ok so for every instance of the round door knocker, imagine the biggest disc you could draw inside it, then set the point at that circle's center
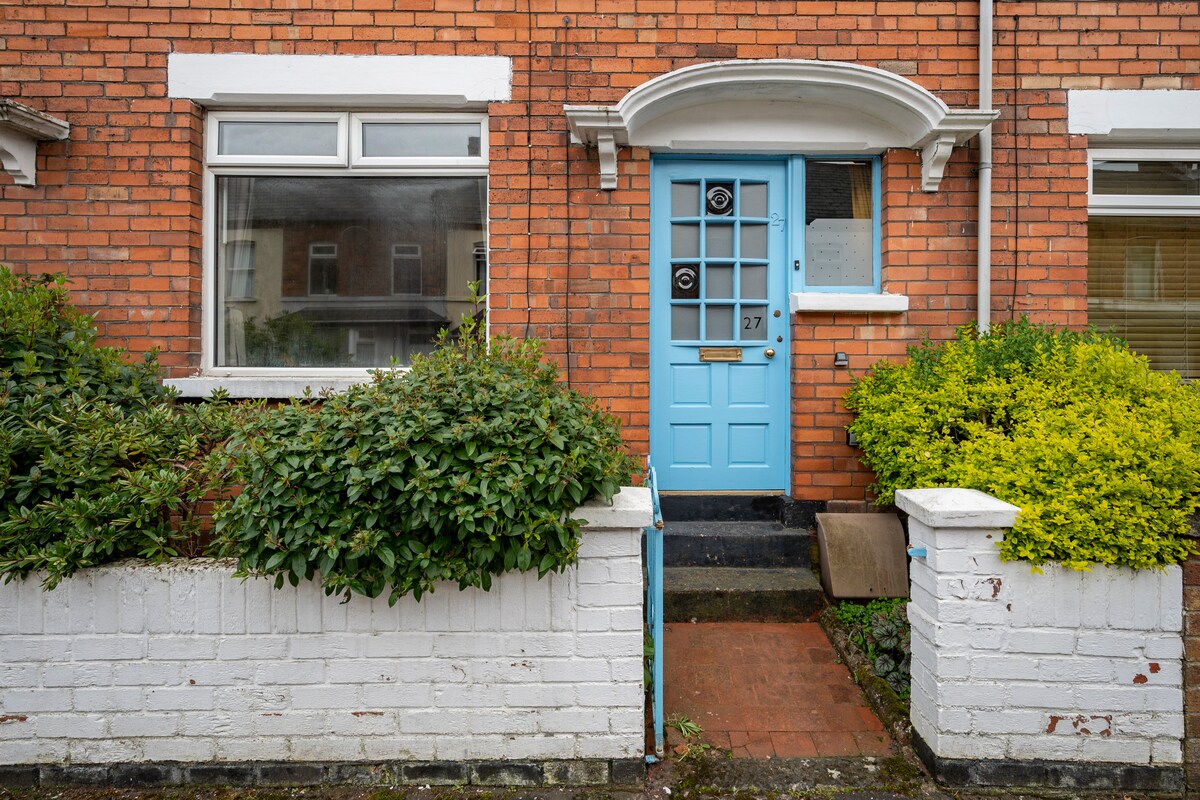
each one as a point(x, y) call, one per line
point(719, 200)
point(686, 281)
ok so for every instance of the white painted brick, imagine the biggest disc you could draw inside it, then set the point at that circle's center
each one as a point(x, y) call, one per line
point(594, 619)
point(364, 671)
point(437, 607)
point(258, 594)
point(1028, 694)
point(625, 670)
point(1162, 673)
point(539, 747)
point(599, 645)
point(325, 749)
point(283, 609)
point(613, 746)
point(233, 606)
point(1040, 641)
point(156, 599)
point(468, 695)
point(483, 645)
point(109, 699)
point(141, 725)
point(16, 701)
point(506, 721)
point(1117, 749)
point(1119, 600)
point(290, 673)
point(537, 603)
point(1170, 612)
point(572, 720)
point(401, 748)
point(253, 647)
point(291, 723)
point(363, 722)
point(1075, 670)
point(570, 670)
point(145, 673)
point(33, 751)
point(73, 674)
point(539, 644)
point(436, 721)
point(1006, 721)
point(177, 748)
point(308, 611)
point(626, 721)
point(182, 648)
point(81, 603)
point(208, 602)
point(20, 676)
point(252, 698)
point(234, 749)
point(29, 604)
point(400, 695)
point(1163, 646)
point(218, 673)
point(399, 645)
point(188, 698)
point(34, 649)
point(996, 667)
point(56, 610)
point(86, 751)
point(72, 726)
point(326, 696)
point(215, 725)
point(539, 695)
point(1166, 751)
point(470, 748)
point(182, 606)
point(1123, 644)
point(609, 695)
point(1051, 748)
point(108, 648)
point(1150, 725)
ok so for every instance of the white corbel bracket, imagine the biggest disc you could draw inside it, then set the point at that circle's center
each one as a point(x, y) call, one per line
point(934, 156)
point(21, 128)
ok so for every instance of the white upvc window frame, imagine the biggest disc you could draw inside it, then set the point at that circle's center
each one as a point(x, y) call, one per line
point(213, 157)
point(1149, 205)
point(358, 160)
point(273, 382)
point(314, 255)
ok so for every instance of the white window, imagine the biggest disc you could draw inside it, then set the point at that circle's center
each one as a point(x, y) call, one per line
point(1144, 252)
point(338, 241)
point(406, 269)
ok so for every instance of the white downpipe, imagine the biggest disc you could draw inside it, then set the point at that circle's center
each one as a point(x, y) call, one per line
point(984, 245)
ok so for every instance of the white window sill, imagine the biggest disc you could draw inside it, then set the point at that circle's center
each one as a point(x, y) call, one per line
point(829, 301)
point(259, 387)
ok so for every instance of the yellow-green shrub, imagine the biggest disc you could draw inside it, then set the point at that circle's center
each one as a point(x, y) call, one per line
point(1101, 453)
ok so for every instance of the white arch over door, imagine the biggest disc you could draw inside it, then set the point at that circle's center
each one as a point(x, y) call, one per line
point(778, 106)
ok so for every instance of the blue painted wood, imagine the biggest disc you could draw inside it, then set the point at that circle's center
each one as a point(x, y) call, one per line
point(717, 426)
point(654, 609)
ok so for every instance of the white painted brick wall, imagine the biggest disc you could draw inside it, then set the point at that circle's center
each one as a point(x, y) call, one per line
point(185, 663)
point(1011, 664)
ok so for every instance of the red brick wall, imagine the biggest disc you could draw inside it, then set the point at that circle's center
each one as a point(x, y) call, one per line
point(118, 206)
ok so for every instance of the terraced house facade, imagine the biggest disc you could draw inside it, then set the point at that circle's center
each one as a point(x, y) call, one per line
point(715, 213)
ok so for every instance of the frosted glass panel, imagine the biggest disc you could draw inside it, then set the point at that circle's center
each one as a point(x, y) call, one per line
point(277, 138)
point(417, 139)
point(754, 282)
point(685, 199)
point(753, 325)
point(685, 241)
point(754, 200)
point(754, 241)
point(719, 282)
point(719, 322)
point(685, 322)
point(718, 240)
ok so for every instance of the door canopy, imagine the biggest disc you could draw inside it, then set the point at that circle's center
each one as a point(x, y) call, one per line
point(778, 106)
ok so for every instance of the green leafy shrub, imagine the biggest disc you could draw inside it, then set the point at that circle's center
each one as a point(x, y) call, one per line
point(880, 630)
point(464, 466)
point(96, 463)
point(1101, 453)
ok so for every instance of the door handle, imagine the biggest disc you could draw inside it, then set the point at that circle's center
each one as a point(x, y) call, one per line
point(769, 352)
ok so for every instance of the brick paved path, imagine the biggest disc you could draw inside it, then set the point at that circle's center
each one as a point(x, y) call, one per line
point(766, 690)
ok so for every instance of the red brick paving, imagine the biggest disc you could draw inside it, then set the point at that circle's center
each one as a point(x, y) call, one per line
point(767, 690)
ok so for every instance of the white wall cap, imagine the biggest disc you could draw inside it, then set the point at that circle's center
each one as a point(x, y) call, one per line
point(956, 508)
point(253, 388)
point(242, 79)
point(631, 507)
point(21, 128)
point(1135, 114)
point(849, 301)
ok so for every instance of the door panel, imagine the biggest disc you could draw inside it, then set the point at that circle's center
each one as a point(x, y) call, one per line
point(719, 349)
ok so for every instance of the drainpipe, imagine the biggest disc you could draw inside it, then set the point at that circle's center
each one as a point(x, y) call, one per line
point(984, 245)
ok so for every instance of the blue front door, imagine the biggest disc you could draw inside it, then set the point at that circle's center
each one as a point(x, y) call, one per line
point(718, 325)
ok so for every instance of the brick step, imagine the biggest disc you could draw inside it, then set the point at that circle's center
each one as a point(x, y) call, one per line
point(734, 544)
point(740, 594)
